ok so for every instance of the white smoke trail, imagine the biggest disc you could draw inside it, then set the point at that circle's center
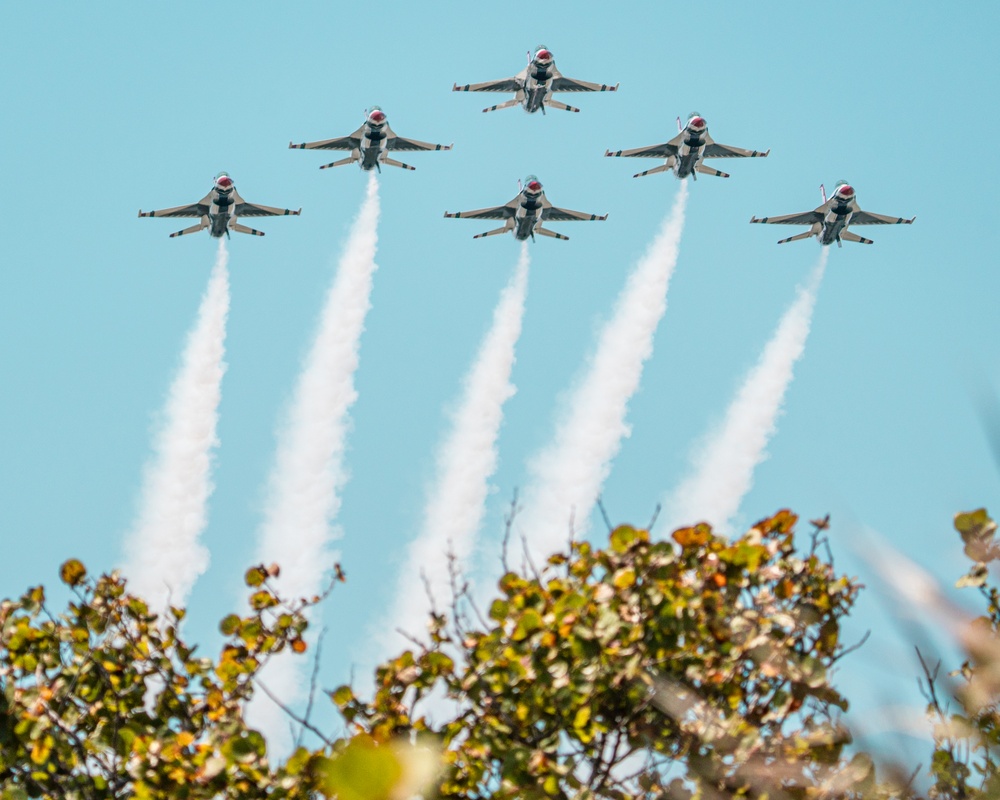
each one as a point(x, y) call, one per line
point(309, 471)
point(723, 465)
point(465, 463)
point(567, 476)
point(164, 556)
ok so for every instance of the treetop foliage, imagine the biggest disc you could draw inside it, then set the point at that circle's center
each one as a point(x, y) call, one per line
point(692, 667)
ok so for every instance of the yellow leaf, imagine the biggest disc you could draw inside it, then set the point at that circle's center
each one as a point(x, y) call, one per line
point(72, 572)
point(624, 578)
point(692, 537)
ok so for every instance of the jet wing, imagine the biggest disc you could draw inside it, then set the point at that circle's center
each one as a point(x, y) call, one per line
point(664, 150)
point(867, 218)
point(561, 83)
point(198, 209)
point(716, 150)
point(341, 143)
point(245, 209)
point(805, 218)
point(555, 214)
point(395, 142)
point(514, 84)
point(498, 212)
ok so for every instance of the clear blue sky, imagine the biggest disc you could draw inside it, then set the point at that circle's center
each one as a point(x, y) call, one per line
point(112, 107)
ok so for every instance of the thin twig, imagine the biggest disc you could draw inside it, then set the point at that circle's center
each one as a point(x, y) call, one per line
point(656, 515)
point(852, 648)
point(604, 513)
point(507, 527)
point(303, 722)
point(312, 683)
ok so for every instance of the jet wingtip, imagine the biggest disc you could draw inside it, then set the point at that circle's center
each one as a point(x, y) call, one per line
point(910, 220)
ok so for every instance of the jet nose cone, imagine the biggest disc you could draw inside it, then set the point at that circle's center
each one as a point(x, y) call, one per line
point(377, 117)
point(534, 186)
point(696, 122)
point(846, 191)
point(543, 55)
point(224, 182)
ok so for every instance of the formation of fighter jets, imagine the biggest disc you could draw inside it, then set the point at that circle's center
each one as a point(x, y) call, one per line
point(526, 214)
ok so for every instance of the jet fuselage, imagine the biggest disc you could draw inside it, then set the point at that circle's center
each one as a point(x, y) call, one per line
point(373, 149)
point(527, 215)
point(692, 147)
point(537, 86)
point(220, 213)
point(837, 219)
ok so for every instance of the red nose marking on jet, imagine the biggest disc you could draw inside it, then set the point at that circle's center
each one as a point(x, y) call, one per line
point(696, 122)
point(376, 116)
point(535, 186)
point(846, 190)
point(225, 182)
point(543, 55)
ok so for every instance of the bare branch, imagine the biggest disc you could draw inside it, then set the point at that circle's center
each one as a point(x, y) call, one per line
point(604, 514)
point(303, 722)
point(312, 683)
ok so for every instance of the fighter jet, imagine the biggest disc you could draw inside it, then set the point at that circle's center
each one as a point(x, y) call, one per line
point(219, 210)
point(829, 222)
point(687, 151)
point(370, 144)
point(533, 86)
point(525, 214)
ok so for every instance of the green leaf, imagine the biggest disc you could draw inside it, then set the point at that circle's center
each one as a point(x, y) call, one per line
point(625, 536)
point(255, 576)
point(230, 625)
point(527, 623)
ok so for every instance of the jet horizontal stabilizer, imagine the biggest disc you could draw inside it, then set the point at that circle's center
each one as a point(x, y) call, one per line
point(494, 232)
point(244, 229)
point(193, 229)
point(795, 238)
point(545, 232)
point(704, 169)
point(847, 236)
point(556, 104)
point(391, 163)
point(341, 163)
point(661, 168)
point(509, 104)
